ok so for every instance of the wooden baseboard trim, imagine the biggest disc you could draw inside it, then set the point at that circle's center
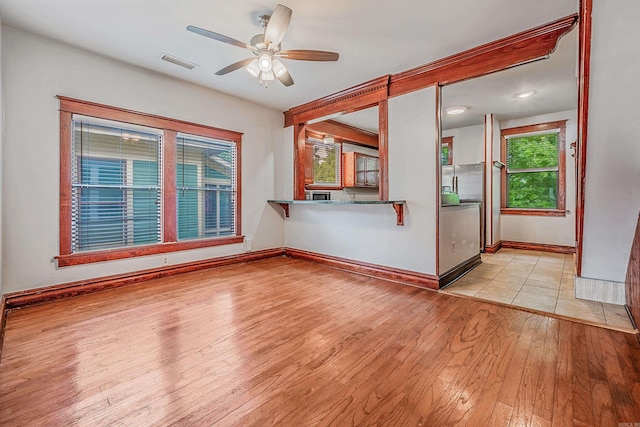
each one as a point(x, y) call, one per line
point(460, 270)
point(543, 247)
point(492, 249)
point(420, 280)
point(3, 321)
point(55, 292)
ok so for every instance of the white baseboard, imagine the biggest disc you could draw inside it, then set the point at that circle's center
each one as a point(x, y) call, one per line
point(600, 290)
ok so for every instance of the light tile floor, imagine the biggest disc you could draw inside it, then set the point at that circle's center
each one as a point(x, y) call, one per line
point(538, 280)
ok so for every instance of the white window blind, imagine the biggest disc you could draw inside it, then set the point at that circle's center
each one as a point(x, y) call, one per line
point(115, 185)
point(206, 187)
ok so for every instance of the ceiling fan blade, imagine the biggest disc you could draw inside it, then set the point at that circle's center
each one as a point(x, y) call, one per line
point(216, 36)
point(286, 79)
point(309, 55)
point(234, 66)
point(277, 26)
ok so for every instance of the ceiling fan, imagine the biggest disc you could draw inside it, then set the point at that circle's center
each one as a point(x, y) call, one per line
point(266, 48)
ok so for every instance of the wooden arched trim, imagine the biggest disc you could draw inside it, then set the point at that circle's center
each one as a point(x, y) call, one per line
point(489, 58)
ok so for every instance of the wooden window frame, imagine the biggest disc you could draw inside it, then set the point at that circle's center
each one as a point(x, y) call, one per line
point(561, 125)
point(448, 141)
point(170, 128)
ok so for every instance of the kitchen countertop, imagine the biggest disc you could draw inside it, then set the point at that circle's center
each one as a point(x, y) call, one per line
point(461, 204)
point(340, 202)
point(398, 205)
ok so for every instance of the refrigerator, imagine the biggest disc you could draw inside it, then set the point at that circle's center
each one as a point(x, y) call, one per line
point(468, 182)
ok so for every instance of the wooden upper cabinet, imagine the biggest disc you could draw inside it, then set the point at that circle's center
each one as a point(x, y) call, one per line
point(360, 170)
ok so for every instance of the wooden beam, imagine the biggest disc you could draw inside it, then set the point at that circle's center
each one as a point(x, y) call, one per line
point(345, 133)
point(355, 98)
point(584, 71)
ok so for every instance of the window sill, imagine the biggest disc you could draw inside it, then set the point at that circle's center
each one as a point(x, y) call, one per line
point(533, 212)
point(136, 251)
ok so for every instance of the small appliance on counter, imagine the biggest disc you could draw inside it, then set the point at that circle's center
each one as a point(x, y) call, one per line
point(320, 196)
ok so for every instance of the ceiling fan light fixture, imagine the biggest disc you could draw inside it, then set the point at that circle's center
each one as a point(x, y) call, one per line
point(253, 68)
point(278, 68)
point(265, 62)
point(268, 76)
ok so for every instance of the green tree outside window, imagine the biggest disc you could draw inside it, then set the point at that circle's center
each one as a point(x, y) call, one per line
point(326, 164)
point(532, 171)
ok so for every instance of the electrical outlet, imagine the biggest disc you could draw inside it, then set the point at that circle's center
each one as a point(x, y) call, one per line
point(453, 246)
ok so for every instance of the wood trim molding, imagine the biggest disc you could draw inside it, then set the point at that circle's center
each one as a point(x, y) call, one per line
point(584, 72)
point(238, 200)
point(169, 215)
point(137, 251)
point(543, 247)
point(420, 280)
point(345, 133)
point(352, 99)
point(492, 249)
point(92, 109)
point(438, 173)
point(3, 321)
point(65, 183)
point(498, 55)
point(383, 150)
point(632, 280)
point(299, 150)
point(538, 127)
point(533, 212)
point(51, 293)
point(459, 270)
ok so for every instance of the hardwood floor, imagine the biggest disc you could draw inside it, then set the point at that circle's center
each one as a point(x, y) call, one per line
point(292, 343)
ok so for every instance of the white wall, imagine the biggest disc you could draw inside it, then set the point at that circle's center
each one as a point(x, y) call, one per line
point(545, 229)
point(369, 232)
point(1, 135)
point(612, 199)
point(35, 71)
point(468, 144)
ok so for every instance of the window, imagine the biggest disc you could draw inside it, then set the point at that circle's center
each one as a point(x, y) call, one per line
point(323, 162)
point(533, 181)
point(205, 177)
point(115, 185)
point(326, 164)
point(447, 150)
point(133, 184)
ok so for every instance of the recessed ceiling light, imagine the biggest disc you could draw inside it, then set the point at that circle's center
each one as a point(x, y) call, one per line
point(456, 110)
point(525, 94)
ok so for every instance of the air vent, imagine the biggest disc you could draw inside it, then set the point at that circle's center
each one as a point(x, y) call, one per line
point(177, 61)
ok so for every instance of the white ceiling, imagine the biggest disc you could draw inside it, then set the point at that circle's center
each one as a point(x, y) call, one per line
point(373, 37)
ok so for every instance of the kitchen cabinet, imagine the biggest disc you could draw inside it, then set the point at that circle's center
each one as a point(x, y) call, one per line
point(360, 170)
